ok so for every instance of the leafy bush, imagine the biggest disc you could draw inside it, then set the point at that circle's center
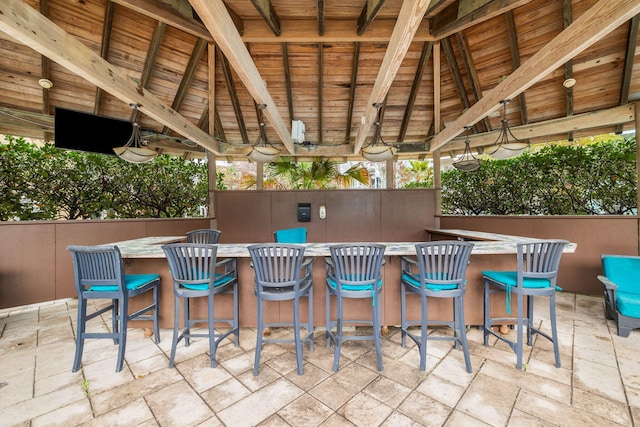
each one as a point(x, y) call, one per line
point(45, 183)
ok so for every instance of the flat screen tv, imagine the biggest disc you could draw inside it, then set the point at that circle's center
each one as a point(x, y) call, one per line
point(89, 132)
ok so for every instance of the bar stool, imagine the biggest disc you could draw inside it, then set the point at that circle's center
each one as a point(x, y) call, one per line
point(281, 274)
point(354, 271)
point(536, 277)
point(204, 235)
point(441, 268)
point(193, 267)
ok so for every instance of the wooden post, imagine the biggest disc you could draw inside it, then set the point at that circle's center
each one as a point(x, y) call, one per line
point(436, 125)
point(211, 157)
point(637, 124)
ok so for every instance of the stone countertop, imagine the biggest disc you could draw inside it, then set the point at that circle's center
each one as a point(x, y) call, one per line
point(150, 247)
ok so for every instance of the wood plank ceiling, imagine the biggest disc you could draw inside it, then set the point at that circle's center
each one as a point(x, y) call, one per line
point(434, 66)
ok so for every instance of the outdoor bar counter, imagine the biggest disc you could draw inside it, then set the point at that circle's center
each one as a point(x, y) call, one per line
point(490, 251)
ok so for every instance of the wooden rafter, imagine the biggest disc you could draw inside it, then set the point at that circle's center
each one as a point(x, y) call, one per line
point(449, 21)
point(268, 13)
point(455, 72)
point(165, 13)
point(235, 102)
point(592, 25)
point(287, 79)
point(46, 69)
point(321, 17)
point(427, 47)
point(515, 60)
point(150, 61)
point(567, 19)
point(320, 92)
point(368, 14)
point(217, 20)
point(352, 89)
point(104, 48)
point(470, 68)
point(28, 26)
point(188, 75)
point(628, 62)
point(409, 19)
point(335, 31)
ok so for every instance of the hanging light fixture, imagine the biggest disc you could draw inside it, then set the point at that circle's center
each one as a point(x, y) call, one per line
point(378, 150)
point(467, 161)
point(504, 148)
point(135, 150)
point(262, 151)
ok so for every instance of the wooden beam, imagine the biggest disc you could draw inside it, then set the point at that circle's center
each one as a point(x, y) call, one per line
point(437, 6)
point(104, 49)
point(352, 89)
point(594, 24)
point(469, 65)
point(287, 79)
point(268, 13)
point(623, 114)
point(188, 75)
point(444, 25)
point(28, 26)
point(409, 19)
point(335, 31)
point(628, 62)
point(427, 47)
point(46, 69)
point(515, 60)
point(150, 61)
point(567, 18)
point(455, 72)
point(320, 92)
point(368, 14)
point(217, 20)
point(235, 102)
point(320, 17)
point(164, 13)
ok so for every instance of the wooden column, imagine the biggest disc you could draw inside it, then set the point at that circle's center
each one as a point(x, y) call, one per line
point(390, 173)
point(437, 184)
point(260, 176)
point(211, 158)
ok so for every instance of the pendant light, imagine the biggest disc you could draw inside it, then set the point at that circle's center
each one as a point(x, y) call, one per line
point(378, 150)
point(504, 148)
point(262, 151)
point(467, 161)
point(135, 150)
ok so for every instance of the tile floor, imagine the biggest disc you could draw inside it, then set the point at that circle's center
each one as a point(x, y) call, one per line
point(598, 384)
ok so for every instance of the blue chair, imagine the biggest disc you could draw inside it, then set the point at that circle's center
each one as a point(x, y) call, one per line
point(99, 274)
point(354, 271)
point(193, 267)
point(438, 272)
point(291, 235)
point(203, 236)
point(281, 274)
point(621, 280)
point(536, 276)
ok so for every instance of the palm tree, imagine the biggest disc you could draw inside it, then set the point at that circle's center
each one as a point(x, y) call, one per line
point(319, 174)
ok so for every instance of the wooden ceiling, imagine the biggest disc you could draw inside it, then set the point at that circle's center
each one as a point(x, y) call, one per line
point(433, 66)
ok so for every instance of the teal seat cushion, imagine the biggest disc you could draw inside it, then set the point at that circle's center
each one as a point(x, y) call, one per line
point(628, 304)
point(431, 286)
point(510, 278)
point(131, 281)
point(332, 283)
point(205, 286)
point(624, 272)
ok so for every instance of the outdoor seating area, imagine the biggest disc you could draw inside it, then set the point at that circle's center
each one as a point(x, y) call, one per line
point(596, 385)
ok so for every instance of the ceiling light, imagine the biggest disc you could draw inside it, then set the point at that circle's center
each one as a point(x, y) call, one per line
point(378, 150)
point(135, 150)
point(568, 83)
point(45, 83)
point(503, 148)
point(262, 151)
point(467, 161)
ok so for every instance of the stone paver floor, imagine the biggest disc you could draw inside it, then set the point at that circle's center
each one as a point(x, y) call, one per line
point(597, 385)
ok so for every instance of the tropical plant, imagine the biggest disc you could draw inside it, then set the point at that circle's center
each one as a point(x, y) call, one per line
point(319, 174)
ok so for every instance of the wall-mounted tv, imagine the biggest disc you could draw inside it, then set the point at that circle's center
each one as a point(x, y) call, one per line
point(88, 132)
